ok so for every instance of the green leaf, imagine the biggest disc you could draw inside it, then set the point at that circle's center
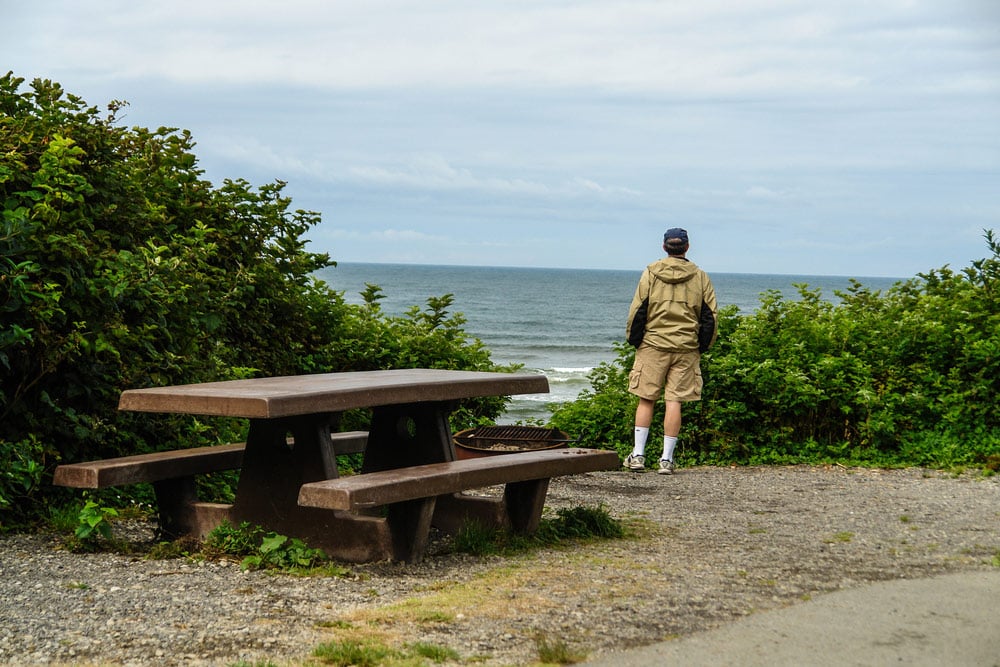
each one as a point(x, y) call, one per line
point(272, 542)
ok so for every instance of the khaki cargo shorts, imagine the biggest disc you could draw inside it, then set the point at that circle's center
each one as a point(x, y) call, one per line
point(677, 374)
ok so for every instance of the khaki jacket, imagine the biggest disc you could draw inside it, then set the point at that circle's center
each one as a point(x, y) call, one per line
point(682, 307)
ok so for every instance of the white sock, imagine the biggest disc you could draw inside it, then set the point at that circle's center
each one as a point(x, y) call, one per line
point(641, 434)
point(669, 442)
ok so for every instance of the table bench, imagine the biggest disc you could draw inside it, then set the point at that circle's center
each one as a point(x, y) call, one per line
point(173, 476)
point(289, 445)
point(412, 494)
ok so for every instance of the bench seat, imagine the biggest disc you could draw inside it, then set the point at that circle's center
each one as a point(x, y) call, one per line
point(413, 494)
point(153, 467)
point(172, 474)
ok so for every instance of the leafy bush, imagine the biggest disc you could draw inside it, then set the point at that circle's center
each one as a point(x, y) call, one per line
point(908, 377)
point(122, 267)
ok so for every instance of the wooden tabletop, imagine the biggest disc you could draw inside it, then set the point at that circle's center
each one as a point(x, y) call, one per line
point(267, 398)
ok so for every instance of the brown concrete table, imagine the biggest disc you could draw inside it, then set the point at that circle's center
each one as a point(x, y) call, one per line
point(288, 444)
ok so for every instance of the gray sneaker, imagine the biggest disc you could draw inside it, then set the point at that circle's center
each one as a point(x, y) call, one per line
point(666, 467)
point(637, 463)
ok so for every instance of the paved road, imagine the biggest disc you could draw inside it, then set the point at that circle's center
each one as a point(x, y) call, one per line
point(952, 620)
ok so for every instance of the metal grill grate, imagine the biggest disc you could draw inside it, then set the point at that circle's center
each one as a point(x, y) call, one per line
point(527, 435)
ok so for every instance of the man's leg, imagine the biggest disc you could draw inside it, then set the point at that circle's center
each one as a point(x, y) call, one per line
point(643, 419)
point(671, 418)
point(644, 413)
point(671, 429)
point(683, 384)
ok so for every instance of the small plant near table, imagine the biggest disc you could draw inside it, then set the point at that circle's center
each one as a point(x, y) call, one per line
point(93, 523)
point(262, 550)
point(230, 540)
point(63, 518)
point(283, 553)
point(569, 523)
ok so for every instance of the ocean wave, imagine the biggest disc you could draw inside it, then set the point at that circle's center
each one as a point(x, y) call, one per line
point(570, 370)
point(539, 398)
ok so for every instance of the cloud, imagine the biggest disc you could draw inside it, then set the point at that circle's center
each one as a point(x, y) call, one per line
point(435, 173)
point(760, 192)
point(409, 245)
point(247, 150)
point(424, 172)
point(591, 187)
point(438, 129)
point(706, 48)
point(387, 235)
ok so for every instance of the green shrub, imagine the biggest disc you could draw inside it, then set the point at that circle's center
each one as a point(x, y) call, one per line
point(122, 267)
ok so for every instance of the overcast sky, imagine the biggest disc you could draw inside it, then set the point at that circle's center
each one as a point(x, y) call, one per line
point(827, 137)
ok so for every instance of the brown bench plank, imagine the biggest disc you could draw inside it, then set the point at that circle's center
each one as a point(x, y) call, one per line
point(176, 463)
point(435, 479)
point(149, 467)
point(411, 494)
point(173, 474)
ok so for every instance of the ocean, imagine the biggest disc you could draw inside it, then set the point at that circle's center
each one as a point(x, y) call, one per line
point(558, 322)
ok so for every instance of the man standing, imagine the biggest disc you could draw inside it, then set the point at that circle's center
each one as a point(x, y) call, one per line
point(671, 321)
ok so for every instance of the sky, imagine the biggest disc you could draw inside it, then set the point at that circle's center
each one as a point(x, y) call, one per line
point(851, 138)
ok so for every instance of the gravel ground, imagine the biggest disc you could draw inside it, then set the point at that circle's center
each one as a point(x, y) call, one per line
point(710, 545)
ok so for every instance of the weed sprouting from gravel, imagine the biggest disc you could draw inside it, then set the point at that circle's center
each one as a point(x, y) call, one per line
point(555, 651)
point(575, 523)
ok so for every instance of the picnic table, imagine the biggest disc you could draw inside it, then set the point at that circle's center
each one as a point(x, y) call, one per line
point(289, 481)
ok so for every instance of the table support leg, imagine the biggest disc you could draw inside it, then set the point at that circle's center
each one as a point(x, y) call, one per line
point(274, 471)
point(408, 435)
point(174, 497)
point(410, 525)
point(180, 511)
point(525, 501)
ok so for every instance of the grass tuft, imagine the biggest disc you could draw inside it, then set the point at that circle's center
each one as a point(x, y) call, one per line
point(556, 651)
point(348, 653)
point(434, 652)
point(577, 523)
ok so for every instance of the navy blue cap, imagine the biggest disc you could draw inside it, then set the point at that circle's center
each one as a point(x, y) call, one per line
point(675, 233)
